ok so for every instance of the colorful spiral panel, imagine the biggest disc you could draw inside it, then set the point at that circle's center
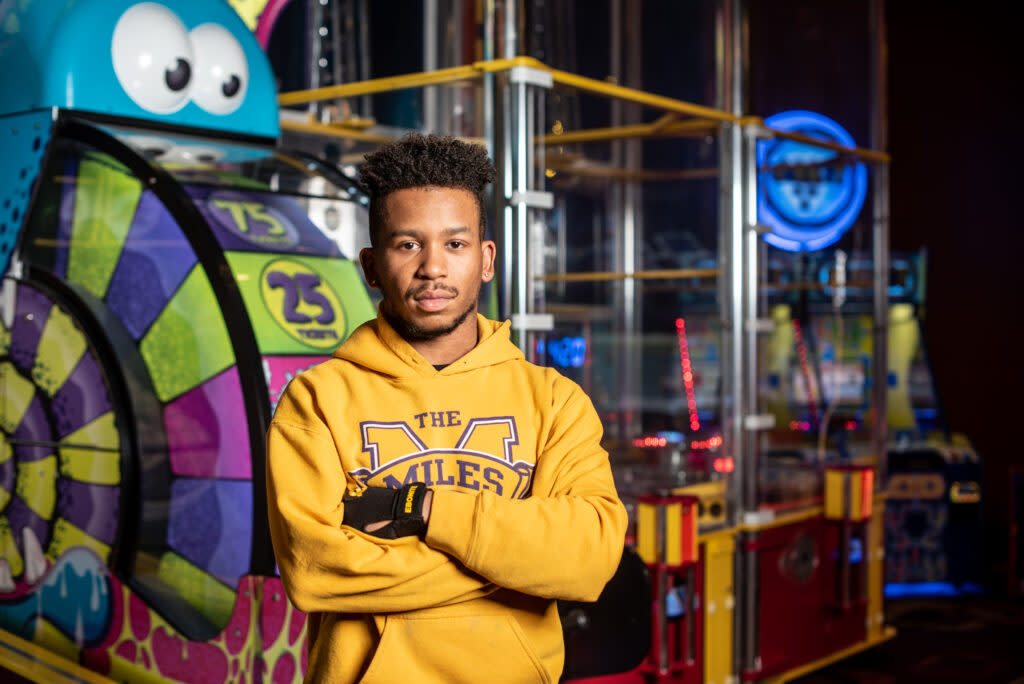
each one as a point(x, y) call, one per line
point(120, 243)
point(60, 470)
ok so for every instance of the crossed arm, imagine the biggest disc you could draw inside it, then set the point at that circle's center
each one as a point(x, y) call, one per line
point(564, 541)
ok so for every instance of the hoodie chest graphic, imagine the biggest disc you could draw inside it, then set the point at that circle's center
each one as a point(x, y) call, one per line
point(483, 457)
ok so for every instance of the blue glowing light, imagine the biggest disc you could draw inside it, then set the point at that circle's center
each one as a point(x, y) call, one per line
point(911, 589)
point(567, 352)
point(809, 196)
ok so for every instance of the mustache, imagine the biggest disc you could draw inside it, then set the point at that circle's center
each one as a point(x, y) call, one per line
point(417, 291)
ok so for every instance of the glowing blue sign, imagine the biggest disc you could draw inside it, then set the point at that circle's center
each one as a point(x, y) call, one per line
point(568, 352)
point(808, 195)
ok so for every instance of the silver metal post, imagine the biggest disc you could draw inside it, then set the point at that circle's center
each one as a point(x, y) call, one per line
point(522, 227)
point(431, 116)
point(880, 237)
point(749, 377)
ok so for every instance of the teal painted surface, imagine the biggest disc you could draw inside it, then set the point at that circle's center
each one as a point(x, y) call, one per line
point(23, 139)
point(186, 62)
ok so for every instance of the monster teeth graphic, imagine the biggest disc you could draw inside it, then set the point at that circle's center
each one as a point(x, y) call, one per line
point(35, 561)
point(6, 580)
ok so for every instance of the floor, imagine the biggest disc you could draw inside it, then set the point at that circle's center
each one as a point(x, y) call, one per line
point(976, 640)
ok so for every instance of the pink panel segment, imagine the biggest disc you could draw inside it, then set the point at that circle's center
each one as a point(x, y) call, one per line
point(267, 20)
point(207, 430)
point(279, 370)
point(273, 611)
point(193, 662)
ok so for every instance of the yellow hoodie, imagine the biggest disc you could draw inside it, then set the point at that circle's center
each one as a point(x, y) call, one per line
point(524, 511)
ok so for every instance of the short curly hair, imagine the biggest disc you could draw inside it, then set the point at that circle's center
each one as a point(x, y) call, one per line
point(418, 161)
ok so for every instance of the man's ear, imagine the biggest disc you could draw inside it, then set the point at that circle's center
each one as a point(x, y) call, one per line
point(489, 251)
point(368, 260)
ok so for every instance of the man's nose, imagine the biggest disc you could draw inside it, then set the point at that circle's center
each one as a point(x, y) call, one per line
point(432, 262)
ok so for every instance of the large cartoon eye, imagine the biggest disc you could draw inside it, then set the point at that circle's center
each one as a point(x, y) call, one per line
point(153, 57)
point(222, 72)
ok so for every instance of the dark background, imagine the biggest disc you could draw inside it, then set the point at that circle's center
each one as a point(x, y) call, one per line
point(954, 84)
point(954, 94)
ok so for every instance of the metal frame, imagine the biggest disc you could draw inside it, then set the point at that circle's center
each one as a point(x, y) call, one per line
point(519, 86)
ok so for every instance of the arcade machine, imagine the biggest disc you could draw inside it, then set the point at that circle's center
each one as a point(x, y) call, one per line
point(759, 521)
point(162, 282)
point(932, 520)
point(933, 513)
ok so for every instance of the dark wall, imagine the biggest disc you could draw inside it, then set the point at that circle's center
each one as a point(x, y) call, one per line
point(955, 85)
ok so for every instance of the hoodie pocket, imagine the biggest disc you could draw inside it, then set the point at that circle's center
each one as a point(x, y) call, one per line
point(455, 650)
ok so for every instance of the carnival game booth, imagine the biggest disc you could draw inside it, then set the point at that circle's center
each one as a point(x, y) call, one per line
point(660, 261)
point(165, 274)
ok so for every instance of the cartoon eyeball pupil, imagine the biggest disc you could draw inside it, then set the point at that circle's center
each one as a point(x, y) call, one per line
point(153, 57)
point(178, 77)
point(221, 69)
point(231, 87)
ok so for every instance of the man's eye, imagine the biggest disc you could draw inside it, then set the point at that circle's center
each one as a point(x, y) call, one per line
point(456, 244)
point(407, 245)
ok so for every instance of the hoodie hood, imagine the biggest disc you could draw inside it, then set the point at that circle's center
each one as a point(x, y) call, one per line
point(376, 346)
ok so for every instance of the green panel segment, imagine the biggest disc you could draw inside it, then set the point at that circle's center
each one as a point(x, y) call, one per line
point(9, 549)
point(105, 203)
point(188, 343)
point(204, 593)
point(60, 349)
point(16, 397)
point(300, 304)
point(36, 485)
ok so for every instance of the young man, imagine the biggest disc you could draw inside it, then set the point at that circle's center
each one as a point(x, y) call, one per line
point(431, 493)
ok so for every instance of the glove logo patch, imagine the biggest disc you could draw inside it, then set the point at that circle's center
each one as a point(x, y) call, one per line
point(482, 458)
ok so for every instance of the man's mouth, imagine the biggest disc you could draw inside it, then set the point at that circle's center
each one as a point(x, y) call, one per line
point(433, 300)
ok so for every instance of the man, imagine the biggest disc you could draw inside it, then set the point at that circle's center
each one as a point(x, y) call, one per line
point(431, 493)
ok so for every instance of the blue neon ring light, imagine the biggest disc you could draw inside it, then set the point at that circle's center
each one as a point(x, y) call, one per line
point(798, 228)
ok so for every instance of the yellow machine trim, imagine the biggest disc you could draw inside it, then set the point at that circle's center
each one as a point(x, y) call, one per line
point(875, 544)
point(784, 519)
point(719, 600)
point(646, 532)
point(674, 533)
point(887, 633)
point(37, 664)
point(835, 508)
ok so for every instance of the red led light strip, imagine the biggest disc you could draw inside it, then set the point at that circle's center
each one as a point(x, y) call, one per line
point(805, 371)
point(684, 361)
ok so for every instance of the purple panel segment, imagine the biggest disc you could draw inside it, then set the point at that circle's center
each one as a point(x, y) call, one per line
point(34, 427)
point(7, 473)
point(30, 314)
point(21, 516)
point(92, 508)
point(154, 262)
point(207, 430)
point(82, 398)
point(211, 525)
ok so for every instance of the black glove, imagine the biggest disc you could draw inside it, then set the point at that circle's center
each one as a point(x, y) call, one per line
point(403, 507)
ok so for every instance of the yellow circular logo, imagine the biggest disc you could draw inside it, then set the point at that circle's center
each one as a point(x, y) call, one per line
point(303, 304)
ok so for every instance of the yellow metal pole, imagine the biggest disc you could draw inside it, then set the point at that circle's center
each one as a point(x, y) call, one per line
point(313, 128)
point(691, 127)
point(379, 85)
